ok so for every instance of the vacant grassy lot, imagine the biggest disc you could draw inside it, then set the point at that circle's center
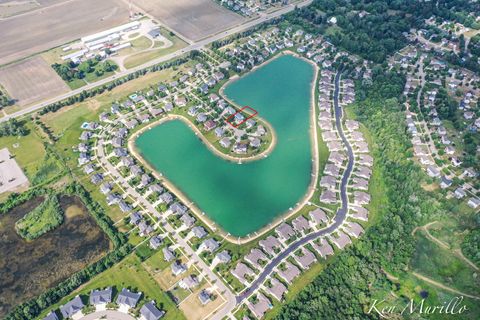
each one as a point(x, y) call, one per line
point(43, 218)
point(441, 265)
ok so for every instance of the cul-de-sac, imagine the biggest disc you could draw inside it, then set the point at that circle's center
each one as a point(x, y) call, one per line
point(231, 159)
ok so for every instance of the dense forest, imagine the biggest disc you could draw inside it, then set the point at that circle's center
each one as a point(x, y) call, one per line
point(375, 29)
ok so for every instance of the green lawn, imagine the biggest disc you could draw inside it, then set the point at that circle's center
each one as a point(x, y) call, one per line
point(47, 216)
point(129, 274)
point(441, 265)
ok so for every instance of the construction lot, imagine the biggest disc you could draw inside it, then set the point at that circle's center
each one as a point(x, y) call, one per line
point(11, 176)
point(192, 19)
point(31, 80)
point(58, 23)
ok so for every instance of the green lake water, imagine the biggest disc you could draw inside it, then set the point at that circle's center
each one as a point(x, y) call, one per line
point(242, 198)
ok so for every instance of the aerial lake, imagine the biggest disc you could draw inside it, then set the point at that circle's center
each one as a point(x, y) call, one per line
point(242, 198)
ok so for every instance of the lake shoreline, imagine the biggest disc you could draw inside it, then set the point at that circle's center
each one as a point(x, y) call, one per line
point(281, 217)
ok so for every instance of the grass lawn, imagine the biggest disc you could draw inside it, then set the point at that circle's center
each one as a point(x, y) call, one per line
point(28, 151)
point(441, 265)
point(141, 43)
point(75, 83)
point(129, 274)
point(43, 218)
point(143, 57)
point(410, 287)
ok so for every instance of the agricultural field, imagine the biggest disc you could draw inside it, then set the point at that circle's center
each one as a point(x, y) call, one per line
point(40, 30)
point(30, 81)
point(193, 19)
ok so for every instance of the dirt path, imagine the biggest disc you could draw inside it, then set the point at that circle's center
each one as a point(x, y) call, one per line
point(457, 252)
point(442, 286)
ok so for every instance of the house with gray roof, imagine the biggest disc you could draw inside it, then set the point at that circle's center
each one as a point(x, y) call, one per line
point(260, 307)
point(135, 218)
point(328, 182)
point(300, 224)
point(178, 268)
point(323, 248)
point(177, 208)
point(72, 307)
point(241, 271)
point(187, 220)
point(328, 196)
point(342, 240)
point(209, 245)
point(144, 229)
point(361, 198)
point(270, 244)
point(318, 216)
point(255, 256)
point(353, 229)
point(106, 187)
point(204, 297)
point(166, 197)
point(188, 282)
point(155, 242)
point(100, 298)
point(51, 316)
point(155, 188)
point(222, 257)
point(276, 289)
point(289, 273)
point(168, 254)
point(127, 299)
point(150, 312)
point(199, 232)
point(306, 259)
point(284, 231)
point(359, 213)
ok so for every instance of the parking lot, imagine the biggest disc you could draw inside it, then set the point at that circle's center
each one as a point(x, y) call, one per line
point(11, 175)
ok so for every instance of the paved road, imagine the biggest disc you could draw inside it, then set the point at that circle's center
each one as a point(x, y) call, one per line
point(339, 217)
point(150, 209)
point(196, 46)
point(108, 314)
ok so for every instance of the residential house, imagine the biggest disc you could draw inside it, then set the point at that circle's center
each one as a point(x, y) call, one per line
point(150, 312)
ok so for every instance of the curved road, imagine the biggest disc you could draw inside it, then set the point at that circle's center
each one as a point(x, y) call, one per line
point(339, 217)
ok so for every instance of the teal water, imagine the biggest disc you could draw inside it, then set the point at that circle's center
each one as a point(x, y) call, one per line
point(243, 198)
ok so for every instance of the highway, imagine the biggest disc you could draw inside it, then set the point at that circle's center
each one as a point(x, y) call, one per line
point(195, 46)
point(339, 217)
